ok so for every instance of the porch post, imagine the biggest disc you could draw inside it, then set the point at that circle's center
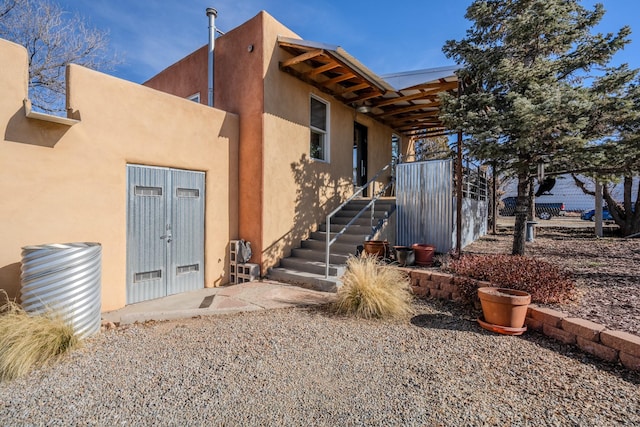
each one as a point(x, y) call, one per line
point(598, 213)
point(494, 201)
point(459, 187)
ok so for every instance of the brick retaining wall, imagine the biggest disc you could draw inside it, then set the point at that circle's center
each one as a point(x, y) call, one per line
point(606, 344)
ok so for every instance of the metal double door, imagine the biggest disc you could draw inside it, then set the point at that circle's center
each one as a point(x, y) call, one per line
point(165, 232)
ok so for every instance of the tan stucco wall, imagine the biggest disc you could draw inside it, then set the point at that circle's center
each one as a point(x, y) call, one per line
point(283, 194)
point(186, 77)
point(239, 89)
point(300, 191)
point(62, 184)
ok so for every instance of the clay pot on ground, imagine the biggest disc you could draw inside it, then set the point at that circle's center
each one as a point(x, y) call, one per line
point(504, 309)
point(404, 255)
point(377, 248)
point(424, 254)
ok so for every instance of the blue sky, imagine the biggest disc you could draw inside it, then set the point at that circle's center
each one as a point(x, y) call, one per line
point(386, 36)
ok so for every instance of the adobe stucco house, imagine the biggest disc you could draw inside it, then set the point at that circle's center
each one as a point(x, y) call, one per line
point(294, 169)
point(295, 127)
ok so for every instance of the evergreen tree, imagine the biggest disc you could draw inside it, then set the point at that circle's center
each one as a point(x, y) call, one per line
point(525, 65)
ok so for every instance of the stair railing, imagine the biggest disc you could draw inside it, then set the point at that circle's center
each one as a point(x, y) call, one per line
point(374, 197)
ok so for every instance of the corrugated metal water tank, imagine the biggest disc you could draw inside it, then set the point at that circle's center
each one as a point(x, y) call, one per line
point(66, 279)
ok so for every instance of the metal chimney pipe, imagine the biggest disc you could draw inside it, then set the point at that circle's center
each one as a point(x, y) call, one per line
point(212, 14)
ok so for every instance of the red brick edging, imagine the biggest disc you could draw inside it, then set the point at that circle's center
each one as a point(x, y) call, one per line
point(606, 344)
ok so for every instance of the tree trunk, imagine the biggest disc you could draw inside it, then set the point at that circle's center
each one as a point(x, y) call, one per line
point(635, 217)
point(627, 218)
point(632, 216)
point(494, 199)
point(531, 202)
point(521, 214)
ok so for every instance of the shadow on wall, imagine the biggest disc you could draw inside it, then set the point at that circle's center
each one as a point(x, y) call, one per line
point(229, 128)
point(317, 193)
point(10, 281)
point(21, 129)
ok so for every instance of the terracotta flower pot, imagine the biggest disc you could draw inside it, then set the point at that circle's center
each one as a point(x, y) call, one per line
point(504, 307)
point(376, 247)
point(424, 254)
point(404, 255)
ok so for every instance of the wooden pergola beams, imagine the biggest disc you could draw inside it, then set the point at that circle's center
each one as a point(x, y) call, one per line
point(412, 111)
point(341, 78)
point(301, 58)
point(321, 69)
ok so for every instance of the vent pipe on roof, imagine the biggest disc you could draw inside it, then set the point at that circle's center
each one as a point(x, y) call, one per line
point(212, 14)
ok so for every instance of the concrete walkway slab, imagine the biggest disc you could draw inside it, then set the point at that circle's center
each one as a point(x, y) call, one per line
point(250, 296)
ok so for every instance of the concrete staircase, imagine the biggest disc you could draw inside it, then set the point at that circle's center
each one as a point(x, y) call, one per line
point(305, 267)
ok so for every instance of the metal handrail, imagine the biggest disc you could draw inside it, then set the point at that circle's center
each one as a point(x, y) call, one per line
point(374, 197)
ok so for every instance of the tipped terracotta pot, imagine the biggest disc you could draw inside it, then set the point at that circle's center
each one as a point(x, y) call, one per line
point(376, 247)
point(404, 255)
point(504, 307)
point(424, 254)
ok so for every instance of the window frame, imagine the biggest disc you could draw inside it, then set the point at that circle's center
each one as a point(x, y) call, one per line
point(195, 97)
point(325, 133)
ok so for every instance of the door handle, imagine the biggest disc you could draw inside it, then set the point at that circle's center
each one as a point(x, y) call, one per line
point(168, 236)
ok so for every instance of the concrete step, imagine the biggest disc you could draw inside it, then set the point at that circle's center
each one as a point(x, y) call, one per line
point(306, 266)
point(316, 255)
point(346, 238)
point(336, 248)
point(304, 279)
point(355, 229)
point(360, 203)
point(380, 207)
point(309, 266)
point(378, 213)
point(366, 221)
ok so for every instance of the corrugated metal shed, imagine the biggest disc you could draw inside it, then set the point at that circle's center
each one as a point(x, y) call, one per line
point(426, 205)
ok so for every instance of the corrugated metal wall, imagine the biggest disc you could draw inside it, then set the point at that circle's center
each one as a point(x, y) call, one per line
point(425, 203)
point(475, 214)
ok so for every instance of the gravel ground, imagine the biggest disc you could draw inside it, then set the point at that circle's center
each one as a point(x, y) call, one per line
point(308, 367)
point(606, 271)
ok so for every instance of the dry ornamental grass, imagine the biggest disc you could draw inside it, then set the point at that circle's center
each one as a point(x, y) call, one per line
point(27, 341)
point(373, 290)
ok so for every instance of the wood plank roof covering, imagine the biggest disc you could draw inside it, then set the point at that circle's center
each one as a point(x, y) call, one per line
point(407, 102)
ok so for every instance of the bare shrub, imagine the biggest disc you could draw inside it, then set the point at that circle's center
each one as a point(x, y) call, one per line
point(546, 282)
